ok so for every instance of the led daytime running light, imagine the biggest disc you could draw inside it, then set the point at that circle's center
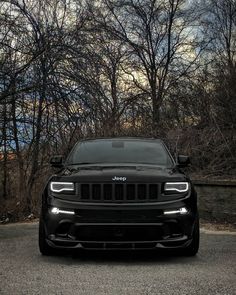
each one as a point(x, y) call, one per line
point(177, 211)
point(56, 210)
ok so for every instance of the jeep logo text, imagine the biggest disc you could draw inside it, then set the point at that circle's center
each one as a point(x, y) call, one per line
point(119, 178)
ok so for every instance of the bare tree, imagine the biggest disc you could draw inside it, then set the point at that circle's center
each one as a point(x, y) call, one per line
point(220, 21)
point(161, 43)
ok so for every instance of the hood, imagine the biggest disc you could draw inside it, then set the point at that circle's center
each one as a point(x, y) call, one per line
point(120, 173)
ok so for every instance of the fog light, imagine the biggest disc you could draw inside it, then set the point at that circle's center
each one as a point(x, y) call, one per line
point(177, 211)
point(56, 210)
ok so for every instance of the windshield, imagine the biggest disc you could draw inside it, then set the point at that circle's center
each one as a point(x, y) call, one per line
point(120, 151)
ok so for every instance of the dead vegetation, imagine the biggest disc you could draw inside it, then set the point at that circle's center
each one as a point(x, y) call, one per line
point(71, 70)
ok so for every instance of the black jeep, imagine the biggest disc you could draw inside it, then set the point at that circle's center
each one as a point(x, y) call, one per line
point(119, 193)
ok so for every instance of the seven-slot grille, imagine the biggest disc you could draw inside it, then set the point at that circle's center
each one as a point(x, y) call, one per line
point(117, 192)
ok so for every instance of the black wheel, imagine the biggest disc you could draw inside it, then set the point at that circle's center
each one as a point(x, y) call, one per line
point(44, 248)
point(192, 248)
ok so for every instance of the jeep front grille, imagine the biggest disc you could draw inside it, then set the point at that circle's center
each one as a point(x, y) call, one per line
point(117, 192)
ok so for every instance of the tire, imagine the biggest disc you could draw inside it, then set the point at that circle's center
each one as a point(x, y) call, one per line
point(44, 248)
point(192, 248)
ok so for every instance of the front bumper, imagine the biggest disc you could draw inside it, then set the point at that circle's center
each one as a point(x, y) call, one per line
point(119, 245)
point(119, 226)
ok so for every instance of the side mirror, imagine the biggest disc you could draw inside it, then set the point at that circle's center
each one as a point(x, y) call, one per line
point(183, 161)
point(57, 161)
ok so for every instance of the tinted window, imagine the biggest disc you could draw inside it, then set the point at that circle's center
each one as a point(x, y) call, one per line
point(115, 151)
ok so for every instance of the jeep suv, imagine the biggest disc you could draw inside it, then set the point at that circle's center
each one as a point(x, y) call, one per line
point(119, 193)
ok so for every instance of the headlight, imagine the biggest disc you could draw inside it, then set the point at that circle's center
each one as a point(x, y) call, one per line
point(179, 187)
point(58, 187)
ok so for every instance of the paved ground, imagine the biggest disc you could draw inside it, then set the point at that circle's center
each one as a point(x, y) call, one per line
point(24, 271)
